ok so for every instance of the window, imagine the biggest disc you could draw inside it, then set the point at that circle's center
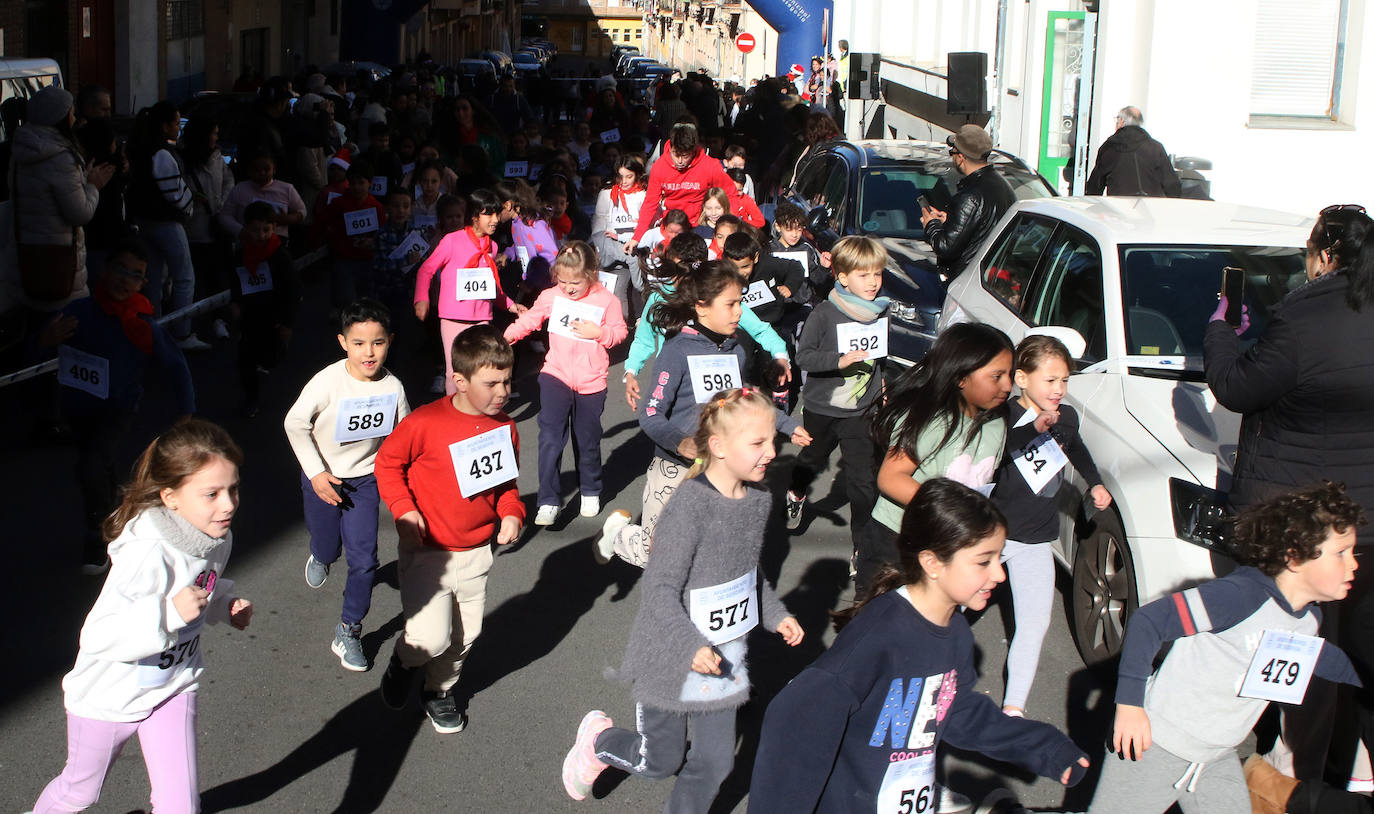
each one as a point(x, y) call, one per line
point(185, 18)
point(1069, 290)
point(1298, 59)
point(1008, 268)
point(823, 184)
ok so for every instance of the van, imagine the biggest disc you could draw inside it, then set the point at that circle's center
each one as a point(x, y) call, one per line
point(23, 78)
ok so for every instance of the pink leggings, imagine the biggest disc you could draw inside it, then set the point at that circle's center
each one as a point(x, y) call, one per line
point(168, 739)
point(448, 331)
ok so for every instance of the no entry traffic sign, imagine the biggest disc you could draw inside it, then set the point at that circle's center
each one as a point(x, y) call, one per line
point(745, 42)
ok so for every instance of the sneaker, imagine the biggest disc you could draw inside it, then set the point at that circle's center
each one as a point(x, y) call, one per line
point(443, 712)
point(316, 572)
point(795, 505)
point(348, 646)
point(951, 802)
point(605, 544)
point(591, 506)
point(546, 515)
point(581, 767)
point(221, 329)
point(780, 400)
point(437, 386)
point(396, 683)
point(193, 343)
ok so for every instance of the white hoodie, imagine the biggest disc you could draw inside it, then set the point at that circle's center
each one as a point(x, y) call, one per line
point(136, 650)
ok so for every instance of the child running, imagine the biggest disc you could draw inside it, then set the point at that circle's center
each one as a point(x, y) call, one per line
point(469, 281)
point(840, 352)
point(448, 474)
point(859, 729)
point(1042, 439)
point(267, 295)
point(702, 595)
point(584, 322)
point(946, 417)
point(139, 666)
point(700, 358)
point(1238, 642)
point(335, 428)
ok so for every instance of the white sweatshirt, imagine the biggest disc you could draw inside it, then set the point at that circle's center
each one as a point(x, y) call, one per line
point(619, 219)
point(136, 650)
point(313, 427)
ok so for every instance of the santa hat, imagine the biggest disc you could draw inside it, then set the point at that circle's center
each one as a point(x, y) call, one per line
point(341, 159)
point(796, 70)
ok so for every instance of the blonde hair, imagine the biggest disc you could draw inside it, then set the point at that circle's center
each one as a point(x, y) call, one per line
point(578, 256)
point(857, 252)
point(168, 461)
point(724, 407)
point(718, 195)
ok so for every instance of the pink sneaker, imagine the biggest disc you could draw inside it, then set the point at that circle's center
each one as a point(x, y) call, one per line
point(581, 767)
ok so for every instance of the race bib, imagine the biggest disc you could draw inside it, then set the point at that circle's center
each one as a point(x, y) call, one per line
point(909, 786)
point(517, 169)
point(83, 371)
point(758, 293)
point(330, 196)
point(378, 187)
point(474, 284)
point(1282, 666)
point(157, 670)
point(712, 374)
point(484, 461)
point(1040, 461)
point(422, 221)
point(536, 171)
point(727, 611)
point(608, 279)
point(360, 221)
point(610, 136)
point(412, 243)
point(583, 160)
point(260, 279)
point(802, 257)
point(523, 255)
point(407, 169)
point(365, 417)
point(565, 312)
point(868, 337)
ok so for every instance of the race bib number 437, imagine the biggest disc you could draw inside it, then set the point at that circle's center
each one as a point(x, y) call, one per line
point(484, 461)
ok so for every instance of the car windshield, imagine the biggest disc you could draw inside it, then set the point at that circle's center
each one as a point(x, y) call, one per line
point(1170, 292)
point(887, 195)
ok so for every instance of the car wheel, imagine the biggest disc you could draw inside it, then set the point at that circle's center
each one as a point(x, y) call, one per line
point(1104, 590)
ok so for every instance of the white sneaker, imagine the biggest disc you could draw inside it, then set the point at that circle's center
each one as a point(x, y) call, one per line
point(591, 506)
point(546, 516)
point(193, 343)
point(437, 386)
point(605, 544)
point(221, 329)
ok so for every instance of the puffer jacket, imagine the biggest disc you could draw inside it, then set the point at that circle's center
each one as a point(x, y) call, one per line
point(52, 198)
point(1306, 394)
point(983, 198)
point(210, 183)
point(1131, 162)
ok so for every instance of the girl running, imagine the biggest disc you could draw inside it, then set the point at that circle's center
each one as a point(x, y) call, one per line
point(702, 595)
point(139, 666)
point(858, 730)
point(534, 245)
point(584, 322)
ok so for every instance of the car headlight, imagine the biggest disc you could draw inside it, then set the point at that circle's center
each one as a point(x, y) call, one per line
point(1200, 515)
point(903, 311)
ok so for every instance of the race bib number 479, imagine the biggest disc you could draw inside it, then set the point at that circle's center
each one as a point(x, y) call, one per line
point(1282, 666)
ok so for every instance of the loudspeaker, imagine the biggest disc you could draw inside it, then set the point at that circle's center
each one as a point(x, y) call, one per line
point(863, 80)
point(968, 83)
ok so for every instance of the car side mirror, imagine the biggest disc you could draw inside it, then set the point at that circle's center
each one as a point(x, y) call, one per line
point(818, 220)
point(1072, 339)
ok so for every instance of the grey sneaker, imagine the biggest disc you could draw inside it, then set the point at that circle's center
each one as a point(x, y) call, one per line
point(316, 572)
point(443, 712)
point(795, 505)
point(348, 646)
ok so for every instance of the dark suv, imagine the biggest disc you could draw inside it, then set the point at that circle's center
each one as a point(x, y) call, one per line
point(870, 188)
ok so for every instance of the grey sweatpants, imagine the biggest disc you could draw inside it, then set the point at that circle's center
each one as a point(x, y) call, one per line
point(1160, 779)
point(656, 746)
point(1030, 570)
point(632, 542)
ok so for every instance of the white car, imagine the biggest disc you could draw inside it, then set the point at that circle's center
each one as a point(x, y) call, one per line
point(1131, 284)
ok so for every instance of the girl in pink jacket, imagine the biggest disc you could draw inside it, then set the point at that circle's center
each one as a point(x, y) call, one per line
point(585, 321)
point(469, 282)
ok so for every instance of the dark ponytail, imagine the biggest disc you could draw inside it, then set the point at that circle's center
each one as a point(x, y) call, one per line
point(1346, 234)
point(702, 284)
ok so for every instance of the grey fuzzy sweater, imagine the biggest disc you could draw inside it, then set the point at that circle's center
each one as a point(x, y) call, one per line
point(702, 539)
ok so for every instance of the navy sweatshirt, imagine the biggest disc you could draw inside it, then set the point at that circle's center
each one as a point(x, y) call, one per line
point(100, 334)
point(892, 687)
point(1033, 518)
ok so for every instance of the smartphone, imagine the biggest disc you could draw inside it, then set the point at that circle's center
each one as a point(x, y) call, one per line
point(1233, 289)
point(924, 202)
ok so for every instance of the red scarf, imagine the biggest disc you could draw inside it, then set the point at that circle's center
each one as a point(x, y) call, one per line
point(130, 313)
point(483, 245)
point(253, 255)
point(561, 225)
point(619, 195)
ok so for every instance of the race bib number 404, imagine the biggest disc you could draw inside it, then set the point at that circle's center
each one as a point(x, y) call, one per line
point(727, 611)
point(1282, 666)
point(870, 337)
point(474, 284)
point(365, 417)
point(909, 786)
point(484, 461)
point(712, 374)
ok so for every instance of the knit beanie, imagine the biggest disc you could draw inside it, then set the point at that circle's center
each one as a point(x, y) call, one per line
point(49, 106)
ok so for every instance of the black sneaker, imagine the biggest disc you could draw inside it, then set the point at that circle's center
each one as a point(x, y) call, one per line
point(396, 683)
point(795, 505)
point(443, 712)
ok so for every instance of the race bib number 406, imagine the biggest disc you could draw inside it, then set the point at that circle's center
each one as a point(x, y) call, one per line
point(712, 374)
point(83, 371)
point(484, 461)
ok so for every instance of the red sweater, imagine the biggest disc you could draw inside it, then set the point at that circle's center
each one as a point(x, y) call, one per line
point(415, 471)
point(683, 189)
point(341, 244)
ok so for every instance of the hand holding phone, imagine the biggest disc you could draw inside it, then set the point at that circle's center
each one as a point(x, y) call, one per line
point(924, 202)
point(1233, 289)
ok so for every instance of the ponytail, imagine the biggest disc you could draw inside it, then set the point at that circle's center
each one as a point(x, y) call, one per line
point(716, 412)
point(1348, 234)
point(701, 285)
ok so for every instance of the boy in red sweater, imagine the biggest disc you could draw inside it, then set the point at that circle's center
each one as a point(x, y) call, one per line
point(680, 178)
point(351, 224)
point(448, 474)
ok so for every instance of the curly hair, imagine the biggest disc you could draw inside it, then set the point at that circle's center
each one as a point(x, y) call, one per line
point(1290, 528)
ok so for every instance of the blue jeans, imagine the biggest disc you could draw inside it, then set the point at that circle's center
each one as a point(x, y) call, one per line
point(169, 255)
point(350, 528)
point(560, 407)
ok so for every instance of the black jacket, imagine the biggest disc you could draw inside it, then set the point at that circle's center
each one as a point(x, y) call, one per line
point(1130, 162)
point(1306, 393)
point(983, 198)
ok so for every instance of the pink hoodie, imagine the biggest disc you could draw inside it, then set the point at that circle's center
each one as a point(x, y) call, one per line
point(459, 250)
point(580, 364)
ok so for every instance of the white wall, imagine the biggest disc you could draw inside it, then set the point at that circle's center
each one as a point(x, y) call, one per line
point(136, 84)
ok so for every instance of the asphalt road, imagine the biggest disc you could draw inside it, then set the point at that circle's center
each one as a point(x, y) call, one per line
point(283, 728)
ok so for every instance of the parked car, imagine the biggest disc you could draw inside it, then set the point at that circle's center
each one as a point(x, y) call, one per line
point(472, 67)
point(500, 61)
point(527, 62)
point(23, 78)
point(1132, 283)
point(869, 187)
point(627, 64)
point(651, 71)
